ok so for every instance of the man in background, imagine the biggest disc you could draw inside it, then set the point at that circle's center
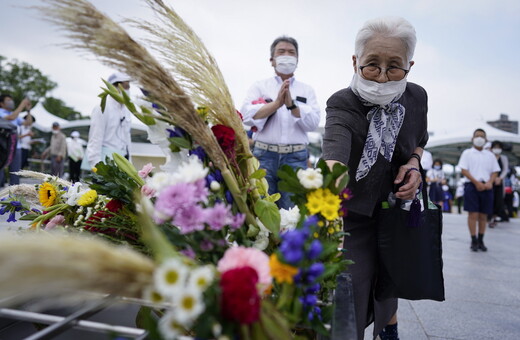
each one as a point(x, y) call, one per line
point(57, 150)
point(110, 129)
point(75, 151)
point(283, 110)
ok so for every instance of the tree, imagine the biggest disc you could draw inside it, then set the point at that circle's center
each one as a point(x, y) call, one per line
point(21, 79)
point(58, 108)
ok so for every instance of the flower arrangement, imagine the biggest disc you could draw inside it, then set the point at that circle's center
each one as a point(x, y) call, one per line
point(221, 260)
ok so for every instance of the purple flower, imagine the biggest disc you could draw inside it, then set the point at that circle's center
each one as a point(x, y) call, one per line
point(176, 197)
point(3, 209)
point(315, 270)
point(176, 132)
point(199, 152)
point(206, 245)
point(209, 178)
point(238, 221)
point(36, 210)
point(12, 217)
point(316, 311)
point(16, 203)
point(218, 216)
point(189, 219)
point(201, 191)
point(313, 289)
point(292, 246)
point(309, 300)
point(314, 250)
point(229, 197)
point(310, 221)
point(188, 252)
point(218, 176)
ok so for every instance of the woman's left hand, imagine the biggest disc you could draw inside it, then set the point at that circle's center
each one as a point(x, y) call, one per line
point(412, 180)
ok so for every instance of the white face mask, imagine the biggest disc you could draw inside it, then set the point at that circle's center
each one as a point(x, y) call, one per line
point(445, 188)
point(497, 151)
point(285, 64)
point(437, 167)
point(377, 93)
point(54, 132)
point(479, 142)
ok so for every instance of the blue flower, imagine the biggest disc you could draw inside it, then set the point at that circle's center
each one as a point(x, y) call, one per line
point(209, 178)
point(12, 216)
point(315, 311)
point(310, 221)
point(315, 270)
point(229, 197)
point(3, 209)
point(199, 152)
point(313, 289)
point(218, 176)
point(292, 246)
point(309, 300)
point(315, 250)
point(16, 203)
point(36, 210)
point(176, 132)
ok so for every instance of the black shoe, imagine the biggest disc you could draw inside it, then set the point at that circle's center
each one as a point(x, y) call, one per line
point(474, 246)
point(481, 246)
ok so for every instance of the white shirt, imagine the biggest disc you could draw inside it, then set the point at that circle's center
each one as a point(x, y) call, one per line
point(435, 174)
point(109, 131)
point(75, 148)
point(283, 127)
point(480, 164)
point(426, 160)
point(24, 142)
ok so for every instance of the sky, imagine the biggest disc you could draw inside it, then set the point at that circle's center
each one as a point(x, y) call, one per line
point(467, 54)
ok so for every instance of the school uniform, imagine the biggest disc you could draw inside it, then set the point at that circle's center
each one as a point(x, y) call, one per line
point(481, 164)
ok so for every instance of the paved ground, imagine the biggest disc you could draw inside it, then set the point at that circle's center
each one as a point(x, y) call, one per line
point(482, 289)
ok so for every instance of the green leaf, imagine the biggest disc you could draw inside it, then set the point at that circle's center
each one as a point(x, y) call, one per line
point(289, 181)
point(103, 101)
point(180, 142)
point(258, 174)
point(268, 214)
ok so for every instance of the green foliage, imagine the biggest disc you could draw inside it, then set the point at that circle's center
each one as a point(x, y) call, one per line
point(21, 79)
point(110, 180)
point(268, 214)
point(58, 108)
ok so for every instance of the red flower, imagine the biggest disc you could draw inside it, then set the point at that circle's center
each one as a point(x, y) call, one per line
point(240, 300)
point(114, 205)
point(259, 101)
point(226, 138)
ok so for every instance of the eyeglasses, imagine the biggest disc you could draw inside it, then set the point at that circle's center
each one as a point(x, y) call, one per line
point(393, 73)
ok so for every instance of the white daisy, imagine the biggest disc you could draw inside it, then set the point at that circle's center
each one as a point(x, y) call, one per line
point(74, 193)
point(170, 276)
point(151, 294)
point(188, 305)
point(201, 277)
point(190, 171)
point(169, 327)
point(310, 178)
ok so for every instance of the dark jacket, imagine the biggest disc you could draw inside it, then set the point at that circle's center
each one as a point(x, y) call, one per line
point(346, 130)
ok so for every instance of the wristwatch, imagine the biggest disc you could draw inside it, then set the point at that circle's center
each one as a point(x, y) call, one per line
point(292, 107)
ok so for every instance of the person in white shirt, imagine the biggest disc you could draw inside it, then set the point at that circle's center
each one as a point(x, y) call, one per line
point(426, 160)
point(76, 153)
point(110, 129)
point(283, 110)
point(436, 178)
point(480, 167)
point(25, 135)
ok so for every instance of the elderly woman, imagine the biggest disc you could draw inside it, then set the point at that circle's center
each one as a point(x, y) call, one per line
point(378, 127)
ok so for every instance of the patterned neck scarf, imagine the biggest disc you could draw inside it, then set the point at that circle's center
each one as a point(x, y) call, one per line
point(385, 123)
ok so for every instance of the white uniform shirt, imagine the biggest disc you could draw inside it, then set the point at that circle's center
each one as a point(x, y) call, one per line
point(283, 127)
point(24, 142)
point(75, 148)
point(480, 164)
point(109, 131)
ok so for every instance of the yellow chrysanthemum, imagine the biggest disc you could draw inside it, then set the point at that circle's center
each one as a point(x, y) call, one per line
point(330, 212)
point(87, 198)
point(330, 230)
point(316, 235)
point(280, 271)
point(48, 194)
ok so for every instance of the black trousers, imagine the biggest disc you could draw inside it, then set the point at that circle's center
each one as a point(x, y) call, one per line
point(74, 170)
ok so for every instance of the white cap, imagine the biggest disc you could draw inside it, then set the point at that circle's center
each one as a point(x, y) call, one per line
point(75, 134)
point(118, 77)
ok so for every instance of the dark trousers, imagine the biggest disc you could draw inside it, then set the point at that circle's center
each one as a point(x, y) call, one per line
point(74, 170)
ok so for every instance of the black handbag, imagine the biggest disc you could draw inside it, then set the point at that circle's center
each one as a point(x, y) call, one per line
point(410, 257)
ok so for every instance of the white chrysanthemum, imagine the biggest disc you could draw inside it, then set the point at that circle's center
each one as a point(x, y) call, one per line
point(169, 327)
point(289, 218)
point(151, 294)
point(188, 305)
point(201, 277)
point(214, 186)
point(170, 276)
point(159, 181)
point(190, 171)
point(310, 178)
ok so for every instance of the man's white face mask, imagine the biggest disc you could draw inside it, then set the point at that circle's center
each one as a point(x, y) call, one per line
point(285, 64)
point(479, 142)
point(377, 93)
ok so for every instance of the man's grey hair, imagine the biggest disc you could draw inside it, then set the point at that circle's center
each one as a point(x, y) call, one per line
point(286, 39)
point(389, 27)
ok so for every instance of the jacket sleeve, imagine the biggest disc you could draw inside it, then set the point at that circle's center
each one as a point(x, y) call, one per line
point(95, 136)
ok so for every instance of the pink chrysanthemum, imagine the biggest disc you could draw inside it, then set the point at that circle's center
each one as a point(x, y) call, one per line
point(218, 216)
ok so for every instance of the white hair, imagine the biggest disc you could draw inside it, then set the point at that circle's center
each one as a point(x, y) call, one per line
point(390, 27)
